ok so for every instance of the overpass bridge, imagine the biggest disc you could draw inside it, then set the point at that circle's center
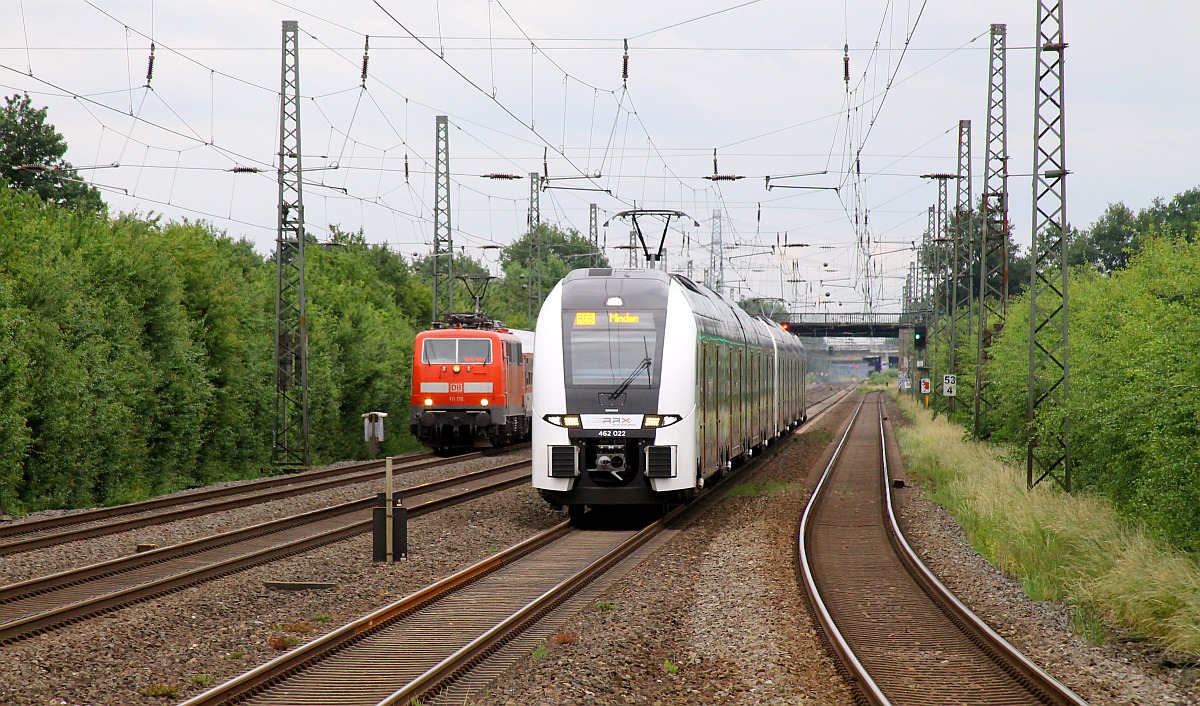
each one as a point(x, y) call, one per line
point(835, 354)
point(857, 325)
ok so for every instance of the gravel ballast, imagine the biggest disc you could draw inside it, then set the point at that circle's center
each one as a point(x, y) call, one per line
point(714, 616)
point(215, 631)
point(721, 604)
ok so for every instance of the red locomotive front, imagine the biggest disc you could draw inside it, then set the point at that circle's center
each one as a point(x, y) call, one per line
point(470, 386)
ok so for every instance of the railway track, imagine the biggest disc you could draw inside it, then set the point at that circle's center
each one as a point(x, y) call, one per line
point(449, 640)
point(900, 635)
point(36, 534)
point(42, 604)
point(407, 650)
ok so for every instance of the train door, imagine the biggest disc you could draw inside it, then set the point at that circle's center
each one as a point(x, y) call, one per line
point(759, 418)
point(703, 407)
point(726, 380)
point(718, 405)
point(515, 387)
point(759, 426)
point(765, 376)
point(743, 398)
point(736, 434)
point(499, 376)
point(712, 400)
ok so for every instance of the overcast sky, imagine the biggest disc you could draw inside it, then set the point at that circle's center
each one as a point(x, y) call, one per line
point(760, 81)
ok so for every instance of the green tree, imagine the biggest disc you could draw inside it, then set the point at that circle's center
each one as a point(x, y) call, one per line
point(1134, 397)
point(14, 400)
point(462, 265)
point(31, 158)
point(360, 353)
point(1180, 216)
point(534, 263)
point(1109, 243)
point(227, 293)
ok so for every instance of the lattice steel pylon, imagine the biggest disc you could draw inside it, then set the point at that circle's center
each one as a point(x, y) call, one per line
point(943, 313)
point(290, 437)
point(443, 235)
point(927, 260)
point(716, 256)
point(910, 309)
point(993, 250)
point(1047, 416)
point(594, 229)
point(964, 242)
point(909, 299)
point(535, 219)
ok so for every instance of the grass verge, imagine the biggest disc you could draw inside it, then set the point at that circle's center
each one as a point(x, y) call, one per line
point(1071, 548)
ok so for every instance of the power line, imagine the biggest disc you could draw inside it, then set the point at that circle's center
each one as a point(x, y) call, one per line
point(696, 19)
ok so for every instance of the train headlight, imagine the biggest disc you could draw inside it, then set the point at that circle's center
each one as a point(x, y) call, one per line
point(428, 401)
point(457, 368)
point(483, 402)
point(654, 421)
point(564, 420)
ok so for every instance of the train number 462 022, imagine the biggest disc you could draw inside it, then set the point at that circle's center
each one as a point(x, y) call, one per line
point(611, 432)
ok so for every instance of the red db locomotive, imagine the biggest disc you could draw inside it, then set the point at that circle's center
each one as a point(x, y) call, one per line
point(471, 383)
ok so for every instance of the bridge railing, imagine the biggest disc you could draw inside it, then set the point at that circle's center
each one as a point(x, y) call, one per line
point(852, 319)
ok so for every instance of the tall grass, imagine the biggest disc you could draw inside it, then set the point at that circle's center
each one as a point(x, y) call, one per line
point(1061, 547)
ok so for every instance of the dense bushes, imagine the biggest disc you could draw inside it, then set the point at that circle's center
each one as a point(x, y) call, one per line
point(137, 358)
point(360, 356)
point(1134, 383)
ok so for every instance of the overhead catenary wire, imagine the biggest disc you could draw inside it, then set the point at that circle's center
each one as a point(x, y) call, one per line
point(360, 152)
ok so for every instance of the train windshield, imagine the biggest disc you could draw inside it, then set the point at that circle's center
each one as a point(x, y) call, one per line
point(613, 348)
point(449, 351)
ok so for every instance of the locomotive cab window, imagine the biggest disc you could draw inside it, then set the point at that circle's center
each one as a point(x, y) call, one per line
point(609, 348)
point(474, 350)
point(449, 351)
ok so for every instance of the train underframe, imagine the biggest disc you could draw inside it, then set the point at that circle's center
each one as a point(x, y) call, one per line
point(446, 429)
point(612, 472)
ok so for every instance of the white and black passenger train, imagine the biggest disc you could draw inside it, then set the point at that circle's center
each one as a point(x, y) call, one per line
point(646, 384)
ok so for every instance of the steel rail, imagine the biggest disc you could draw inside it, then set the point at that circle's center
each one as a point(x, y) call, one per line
point(436, 677)
point(301, 657)
point(837, 641)
point(439, 677)
point(448, 670)
point(363, 474)
point(1035, 681)
point(105, 602)
point(20, 527)
point(983, 635)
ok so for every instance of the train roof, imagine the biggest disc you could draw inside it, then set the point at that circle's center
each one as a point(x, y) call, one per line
point(468, 319)
point(520, 334)
point(704, 301)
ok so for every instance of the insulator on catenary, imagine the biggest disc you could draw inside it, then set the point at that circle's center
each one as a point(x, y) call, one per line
point(406, 167)
point(150, 66)
point(846, 64)
point(366, 50)
point(625, 65)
